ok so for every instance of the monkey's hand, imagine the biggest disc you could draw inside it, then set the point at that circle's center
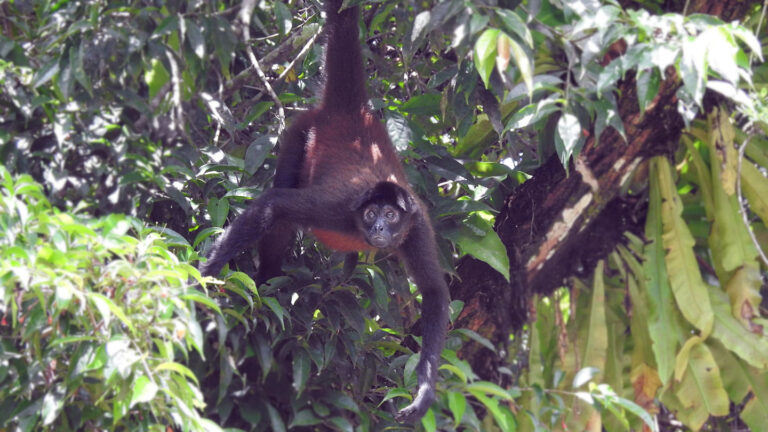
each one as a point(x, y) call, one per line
point(421, 403)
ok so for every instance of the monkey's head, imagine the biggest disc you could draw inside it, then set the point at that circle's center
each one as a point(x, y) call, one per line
point(383, 215)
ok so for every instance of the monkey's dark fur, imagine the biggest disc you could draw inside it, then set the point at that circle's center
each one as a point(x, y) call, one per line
point(338, 176)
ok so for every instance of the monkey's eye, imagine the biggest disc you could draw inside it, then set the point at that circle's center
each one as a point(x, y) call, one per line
point(390, 215)
point(370, 215)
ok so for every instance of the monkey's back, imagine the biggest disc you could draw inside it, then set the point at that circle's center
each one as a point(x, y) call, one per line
point(350, 148)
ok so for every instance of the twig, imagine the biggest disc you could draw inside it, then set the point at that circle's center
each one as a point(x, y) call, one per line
point(301, 55)
point(742, 210)
point(245, 17)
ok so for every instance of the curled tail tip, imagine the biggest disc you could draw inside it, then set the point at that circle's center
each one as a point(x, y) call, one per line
point(416, 410)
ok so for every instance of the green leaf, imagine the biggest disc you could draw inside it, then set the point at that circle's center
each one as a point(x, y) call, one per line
point(342, 424)
point(304, 417)
point(264, 355)
point(596, 346)
point(748, 38)
point(427, 104)
point(485, 54)
point(683, 269)
point(301, 368)
point(476, 237)
point(514, 24)
point(487, 387)
point(721, 53)
point(44, 74)
point(197, 297)
point(755, 412)
point(751, 347)
point(503, 417)
point(755, 187)
point(428, 421)
point(701, 389)
point(195, 38)
point(457, 403)
point(257, 152)
point(76, 65)
point(144, 390)
point(523, 61)
point(275, 306)
point(283, 17)
point(275, 420)
point(218, 209)
point(105, 306)
point(53, 402)
point(648, 81)
point(531, 114)
point(662, 324)
point(693, 68)
point(477, 338)
point(568, 137)
point(156, 77)
point(342, 401)
point(396, 392)
point(398, 130)
point(178, 368)
point(169, 25)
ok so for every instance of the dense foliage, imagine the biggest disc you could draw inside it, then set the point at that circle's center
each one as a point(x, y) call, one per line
point(130, 133)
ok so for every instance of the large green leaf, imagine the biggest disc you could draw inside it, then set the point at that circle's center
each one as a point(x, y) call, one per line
point(476, 237)
point(701, 390)
point(596, 348)
point(485, 54)
point(755, 187)
point(683, 270)
point(750, 346)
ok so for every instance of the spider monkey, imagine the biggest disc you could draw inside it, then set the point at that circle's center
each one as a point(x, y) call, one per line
point(339, 177)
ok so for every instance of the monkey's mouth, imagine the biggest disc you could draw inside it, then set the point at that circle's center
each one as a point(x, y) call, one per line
point(379, 241)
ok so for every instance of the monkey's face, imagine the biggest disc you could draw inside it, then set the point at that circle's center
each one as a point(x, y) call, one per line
point(382, 224)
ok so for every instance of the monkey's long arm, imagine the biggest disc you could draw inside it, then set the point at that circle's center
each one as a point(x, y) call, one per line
point(297, 207)
point(419, 252)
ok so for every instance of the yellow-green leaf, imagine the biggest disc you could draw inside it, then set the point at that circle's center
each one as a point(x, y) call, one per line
point(755, 188)
point(701, 391)
point(485, 54)
point(156, 77)
point(596, 347)
point(684, 276)
point(751, 347)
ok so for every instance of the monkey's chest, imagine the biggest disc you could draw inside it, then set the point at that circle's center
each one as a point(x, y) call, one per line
point(340, 241)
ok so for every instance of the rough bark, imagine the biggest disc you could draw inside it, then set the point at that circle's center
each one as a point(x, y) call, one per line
point(556, 225)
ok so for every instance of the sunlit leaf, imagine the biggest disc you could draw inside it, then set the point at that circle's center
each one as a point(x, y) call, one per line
point(144, 390)
point(156, 76)
point(485, 54)
point(457, 403)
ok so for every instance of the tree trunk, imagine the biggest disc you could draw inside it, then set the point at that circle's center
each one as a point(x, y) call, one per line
point(555, 225)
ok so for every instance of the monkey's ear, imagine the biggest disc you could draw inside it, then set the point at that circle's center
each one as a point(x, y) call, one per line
point(403, 199)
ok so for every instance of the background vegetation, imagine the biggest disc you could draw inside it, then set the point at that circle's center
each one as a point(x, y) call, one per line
point(596, 172)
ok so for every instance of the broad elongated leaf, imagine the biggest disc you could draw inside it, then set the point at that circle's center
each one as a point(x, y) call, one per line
point(485, 54)
point(701, 391)
point(457, 403)
point(684, 276)
point(568, 137)
point(755, 187)
point(301, 368)
point(596, 348)
point(755, 412)
point(751, 347)
point(144, 390)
